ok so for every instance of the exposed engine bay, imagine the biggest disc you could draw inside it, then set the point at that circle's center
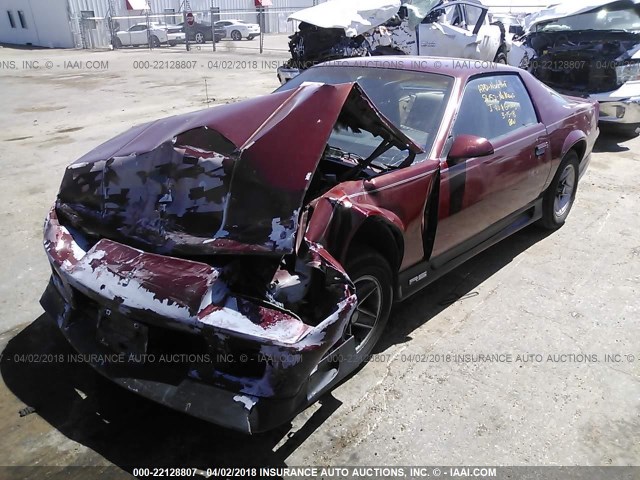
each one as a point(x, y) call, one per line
point(311, 45)
point(582, 61)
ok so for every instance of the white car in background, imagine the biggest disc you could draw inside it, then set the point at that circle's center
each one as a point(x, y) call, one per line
point(238, 29)
point(429, 28)
point(155, 34)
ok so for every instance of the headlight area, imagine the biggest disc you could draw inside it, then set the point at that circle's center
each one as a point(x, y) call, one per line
point(628, 72)
point(182, 333)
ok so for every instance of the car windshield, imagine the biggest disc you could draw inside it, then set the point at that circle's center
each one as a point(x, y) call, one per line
point(413, 101)
point(608, 17)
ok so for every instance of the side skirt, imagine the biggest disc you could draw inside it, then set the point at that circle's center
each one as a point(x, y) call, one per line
point(419, 276)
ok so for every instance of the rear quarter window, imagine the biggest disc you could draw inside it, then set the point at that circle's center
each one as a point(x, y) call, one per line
point(494, 106)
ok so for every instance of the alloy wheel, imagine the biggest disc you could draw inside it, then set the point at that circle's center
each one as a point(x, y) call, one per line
point(369, 308)
point(564, 191)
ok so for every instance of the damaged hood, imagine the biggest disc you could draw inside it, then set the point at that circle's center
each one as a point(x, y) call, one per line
point(568, 9)
point(355, 17)
point(229, 179)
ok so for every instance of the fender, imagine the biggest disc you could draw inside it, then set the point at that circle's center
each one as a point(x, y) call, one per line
point(341, 220)
point(573, 139)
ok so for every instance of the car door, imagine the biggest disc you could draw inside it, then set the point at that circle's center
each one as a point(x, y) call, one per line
point(449, 35)
point(138, 35)
point(224, 24)
point(488, 37)
point(479, 195)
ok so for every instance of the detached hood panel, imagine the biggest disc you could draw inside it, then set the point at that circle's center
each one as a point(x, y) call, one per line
point(355, 17)
point(226, 180)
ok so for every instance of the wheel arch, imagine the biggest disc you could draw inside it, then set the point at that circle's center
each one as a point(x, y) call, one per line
point(380, 235)
point(580, 147)
point(339, 227)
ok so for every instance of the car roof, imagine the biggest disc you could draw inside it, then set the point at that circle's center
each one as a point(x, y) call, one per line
point(453, 67)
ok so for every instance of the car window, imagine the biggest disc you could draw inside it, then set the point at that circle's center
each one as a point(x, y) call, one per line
point(138, 28)
point(413, 101)
point(453, 15)
point(473, 15)
point(493, 106)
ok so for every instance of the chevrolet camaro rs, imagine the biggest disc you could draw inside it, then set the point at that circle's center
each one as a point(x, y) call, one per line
point(236, 263)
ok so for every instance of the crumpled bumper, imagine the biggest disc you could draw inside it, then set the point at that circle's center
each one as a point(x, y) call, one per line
point(623, 112)
point(621, 106)
point(170, 330)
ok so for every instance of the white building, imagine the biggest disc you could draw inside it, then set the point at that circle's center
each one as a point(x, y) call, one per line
point(39, 22)
point(81, 23)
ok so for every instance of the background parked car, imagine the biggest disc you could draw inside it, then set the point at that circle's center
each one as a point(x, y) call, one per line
point(589, 50)
point(201, 32)
point(155, 34)
point(238, 29)
point(329, 31)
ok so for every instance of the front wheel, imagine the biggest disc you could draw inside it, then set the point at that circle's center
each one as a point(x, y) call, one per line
point(559, 197)
point(372, 276)
point(236, 35)
point(501, 58)
point(117, 43)
point(200, 38)
point(155, 41)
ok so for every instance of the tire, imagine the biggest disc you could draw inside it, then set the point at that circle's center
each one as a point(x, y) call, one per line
point(199, 37)
point(369, 270)
point(236, 35)
point(155, 41)
point(117, 43)
point(173, 44)
point(559, 197)
point(501, 58)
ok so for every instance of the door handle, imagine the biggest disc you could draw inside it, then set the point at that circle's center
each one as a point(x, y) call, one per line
point(541, 149)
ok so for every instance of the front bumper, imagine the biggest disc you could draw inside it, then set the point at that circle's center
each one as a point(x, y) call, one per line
point(620, 112)
point(216, 366)
point(169, 385)
point(287, 73)
point(621, 106)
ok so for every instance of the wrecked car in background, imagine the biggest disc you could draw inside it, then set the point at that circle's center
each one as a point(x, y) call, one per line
point(258, 247)
point(355, 28)
point(589, 49)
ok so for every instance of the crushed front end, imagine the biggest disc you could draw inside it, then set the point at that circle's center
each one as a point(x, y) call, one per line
point(180, 267)
point(180, 332)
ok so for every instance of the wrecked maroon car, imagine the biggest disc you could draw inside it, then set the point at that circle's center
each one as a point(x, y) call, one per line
point(238, 262)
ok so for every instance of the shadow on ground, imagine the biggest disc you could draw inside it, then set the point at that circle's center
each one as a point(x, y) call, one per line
point(130, 431)
point(612, 141)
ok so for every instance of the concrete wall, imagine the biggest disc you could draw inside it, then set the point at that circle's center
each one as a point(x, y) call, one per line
point(46, 22)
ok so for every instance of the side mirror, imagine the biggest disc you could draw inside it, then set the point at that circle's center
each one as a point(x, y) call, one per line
point(469, 146)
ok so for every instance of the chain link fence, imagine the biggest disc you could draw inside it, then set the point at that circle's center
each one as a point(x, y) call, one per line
point(94, 32)
point(103, 32)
